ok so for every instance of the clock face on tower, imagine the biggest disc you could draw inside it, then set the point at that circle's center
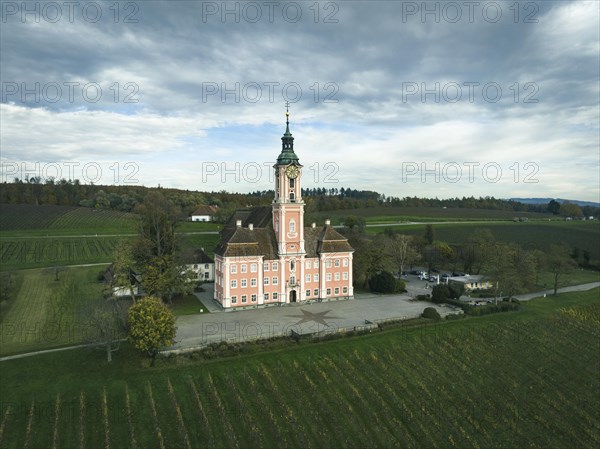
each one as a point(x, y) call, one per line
point(292, 171)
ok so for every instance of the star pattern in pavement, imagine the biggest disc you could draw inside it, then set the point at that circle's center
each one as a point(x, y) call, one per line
point(318, 317)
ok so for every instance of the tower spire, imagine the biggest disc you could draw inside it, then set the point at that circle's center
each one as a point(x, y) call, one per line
point(287, 155)
point(287, 119)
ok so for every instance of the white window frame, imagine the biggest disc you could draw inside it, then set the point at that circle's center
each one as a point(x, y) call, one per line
point(244, 268)
point(244, 283)
point(234, 283)
point(233, 269)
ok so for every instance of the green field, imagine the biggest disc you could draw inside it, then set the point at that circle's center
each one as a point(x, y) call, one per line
point(46, 312)
point(43, 236)
point(525, 379)
point(20, 253)
point(531, 235)
point(382, 214)
point(28, 220)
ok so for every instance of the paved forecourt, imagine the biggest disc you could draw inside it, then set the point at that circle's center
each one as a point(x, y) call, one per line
point(196, 331)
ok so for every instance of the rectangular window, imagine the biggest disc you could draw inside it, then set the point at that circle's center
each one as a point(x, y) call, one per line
point(234, 269)
point(244, 283)
point(275, 266)
point(266, 281)
point(206, 275)
point(307, 292)
point(244, 268)
point(345, 289)
point(316, 277)
point(336, 276)
point(274, 280)
point(266, 296)
point(253, 282)
point(206, 266)
point(253, 268)
point(195, 267)
point(293, 280)
point(316, 292)
point(253, 298)
point(233, 283)
point(328, 263)
point(345, 262)
point(274, 295)
point(345, 276)
point(266, 266)
point(292, 226)
point(308, 264)
point(234, 300)
point(336, 290)
point(337, 262)
point(308, 278)
point(316, 264)
point(244, 298)
point(328, 276)
point(328, 292)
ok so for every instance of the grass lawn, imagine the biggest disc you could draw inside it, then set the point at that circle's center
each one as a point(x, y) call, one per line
point(577, 276)
point(519, 379)
point(188, 305)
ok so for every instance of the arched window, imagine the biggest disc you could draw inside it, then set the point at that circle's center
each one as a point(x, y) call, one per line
point(292, 183)
point(292, 226)
point(292, 265)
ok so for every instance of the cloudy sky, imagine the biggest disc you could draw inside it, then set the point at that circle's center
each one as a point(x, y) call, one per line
point(406, 98)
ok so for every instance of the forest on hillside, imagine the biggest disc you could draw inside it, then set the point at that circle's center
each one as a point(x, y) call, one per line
point(126, 197)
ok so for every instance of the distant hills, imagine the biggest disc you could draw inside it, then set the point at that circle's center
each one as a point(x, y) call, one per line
point(560, 200)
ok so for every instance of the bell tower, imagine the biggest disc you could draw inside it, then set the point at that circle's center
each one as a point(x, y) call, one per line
point(288, 211)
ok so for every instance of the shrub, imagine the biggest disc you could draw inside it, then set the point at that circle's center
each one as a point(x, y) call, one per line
point(385, 282)
point(431, 313)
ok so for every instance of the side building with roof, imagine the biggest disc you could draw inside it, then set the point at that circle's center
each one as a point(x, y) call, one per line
point(267, 256)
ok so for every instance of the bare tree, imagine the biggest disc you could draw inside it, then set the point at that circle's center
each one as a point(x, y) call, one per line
point(104, 324)
point(402, 250)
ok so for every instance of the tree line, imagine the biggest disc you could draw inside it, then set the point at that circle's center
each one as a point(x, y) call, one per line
point(319, 199)
point(509, 267)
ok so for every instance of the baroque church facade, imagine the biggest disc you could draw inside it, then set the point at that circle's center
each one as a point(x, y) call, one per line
point(267, 256)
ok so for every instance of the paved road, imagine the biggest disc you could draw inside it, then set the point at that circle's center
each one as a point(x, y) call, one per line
point(573, 288)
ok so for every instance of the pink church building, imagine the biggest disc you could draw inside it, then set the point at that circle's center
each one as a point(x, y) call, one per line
point(268, 257)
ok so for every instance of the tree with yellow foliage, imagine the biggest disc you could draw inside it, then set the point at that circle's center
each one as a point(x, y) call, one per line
point(151, 326)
